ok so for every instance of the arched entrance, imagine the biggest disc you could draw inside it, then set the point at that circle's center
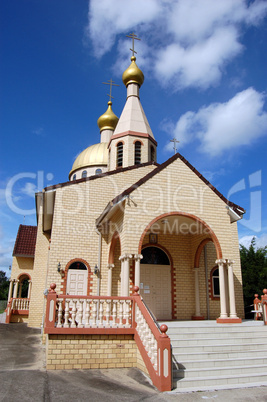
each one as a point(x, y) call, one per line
point(77, 276)
point(155, 282)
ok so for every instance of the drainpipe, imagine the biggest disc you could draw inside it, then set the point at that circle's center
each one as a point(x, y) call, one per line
point(207, 282)
point(99, 261)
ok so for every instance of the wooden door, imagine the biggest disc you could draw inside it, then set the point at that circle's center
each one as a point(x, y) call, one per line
point(155, 288)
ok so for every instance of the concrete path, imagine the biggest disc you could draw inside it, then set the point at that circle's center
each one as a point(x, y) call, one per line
point(23, 378)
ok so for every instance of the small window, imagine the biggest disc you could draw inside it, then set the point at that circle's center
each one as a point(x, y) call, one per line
point(74, 177)
point(84, 174)
point(215, 282)
point(152, 154)
point(119, 154)
point(137, 153)
point(98, 171)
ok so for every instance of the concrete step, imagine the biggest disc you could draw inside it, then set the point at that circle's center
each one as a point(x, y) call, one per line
point(219, 335)
point(177, 341)
point(182, 356)
point(231, 347)
point(208, 372)
point(226, 362)
point(224, 381)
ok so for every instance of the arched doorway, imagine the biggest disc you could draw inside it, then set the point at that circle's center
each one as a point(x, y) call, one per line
point(155, 282)
point(77, 279)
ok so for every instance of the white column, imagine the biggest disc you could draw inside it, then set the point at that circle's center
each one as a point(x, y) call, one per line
point(20, 289)
point(10, 289)
point(109, 291)
point(231, 288)
point(122, 260)
point(15, 290)
point(137, 258)
point(197, 301)
point(126, 274)
point(29, 290)
point(222, 288)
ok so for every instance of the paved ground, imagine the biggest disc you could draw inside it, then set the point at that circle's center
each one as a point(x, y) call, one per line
point(23, 378)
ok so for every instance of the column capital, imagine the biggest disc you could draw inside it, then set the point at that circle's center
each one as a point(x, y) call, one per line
point(122, 257)
point(128, 256)
point(195, 269)
point(110, 266)
point(220, 262)
point(229, 262)
point(138, 257)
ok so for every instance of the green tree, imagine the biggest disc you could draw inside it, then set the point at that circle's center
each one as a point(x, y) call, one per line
point(4, 286)
point(254, 271)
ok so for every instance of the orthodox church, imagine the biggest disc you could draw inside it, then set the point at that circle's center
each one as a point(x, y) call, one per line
point(123, 220)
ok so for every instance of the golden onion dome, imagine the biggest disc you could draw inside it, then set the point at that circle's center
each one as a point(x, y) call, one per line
point(95, 155)
point(133, 74)
point(108, 120)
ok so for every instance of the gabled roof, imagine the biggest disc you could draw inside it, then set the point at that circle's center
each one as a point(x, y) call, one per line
point(236, 208)
point(25, 242)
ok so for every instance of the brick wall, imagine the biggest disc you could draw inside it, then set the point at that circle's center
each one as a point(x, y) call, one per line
point(91, 352)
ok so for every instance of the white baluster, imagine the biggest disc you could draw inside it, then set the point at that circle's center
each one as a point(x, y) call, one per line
point(94, 314)
point(100, 325)
point(59, 316)
point(73, 314)
point(87, 314)
point(114, 313)
point(80, 314)
point(67, 314)
point(127, 314)
point(108, 303)
point(121, 313)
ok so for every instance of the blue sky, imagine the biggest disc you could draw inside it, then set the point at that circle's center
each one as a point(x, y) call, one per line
point(205, 67)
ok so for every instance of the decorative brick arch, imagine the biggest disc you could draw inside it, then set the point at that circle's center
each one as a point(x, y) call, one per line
point(24, 274)
point(89, 278)
point(113, 244)
point(199, 251)
point(141, 142)
point(213, 237)
point(123, 143)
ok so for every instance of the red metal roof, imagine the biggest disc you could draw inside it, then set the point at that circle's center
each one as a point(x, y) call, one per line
point(25, 242)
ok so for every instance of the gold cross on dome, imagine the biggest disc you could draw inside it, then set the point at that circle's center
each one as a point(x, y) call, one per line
point(111, 84)
point(134, 37)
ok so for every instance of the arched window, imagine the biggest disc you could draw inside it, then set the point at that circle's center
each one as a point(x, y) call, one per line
point(74, 177)
point(98, 171)
point(119, 154)
point(215, 286)
point(154, 255)
point(84, 174)
point(152, 153)
point(137, 153)
point(77, 265)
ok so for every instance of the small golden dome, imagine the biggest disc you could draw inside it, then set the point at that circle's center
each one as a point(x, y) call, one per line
point(133, 74)
point(108, 120)
point(95, 155)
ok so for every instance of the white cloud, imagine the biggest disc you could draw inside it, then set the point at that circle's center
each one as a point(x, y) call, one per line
point(261, 241)
point(192, 40)
point(29, 189)
point(224, 126)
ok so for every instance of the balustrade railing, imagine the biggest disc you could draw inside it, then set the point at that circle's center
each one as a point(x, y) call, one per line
point(66, 314)
point(17, 306)
point(260, 307)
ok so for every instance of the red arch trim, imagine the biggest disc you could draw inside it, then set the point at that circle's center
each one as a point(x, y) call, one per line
point(114, 240)
point(199, 251)
point(195, 218)
point(24, 274)
point(89, 279)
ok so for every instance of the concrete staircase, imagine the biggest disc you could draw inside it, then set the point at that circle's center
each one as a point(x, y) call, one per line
point(207, 355)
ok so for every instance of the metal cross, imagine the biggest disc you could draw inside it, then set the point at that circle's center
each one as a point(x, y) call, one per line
point(174, 140)
point(110, 83)
point(134, 37)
